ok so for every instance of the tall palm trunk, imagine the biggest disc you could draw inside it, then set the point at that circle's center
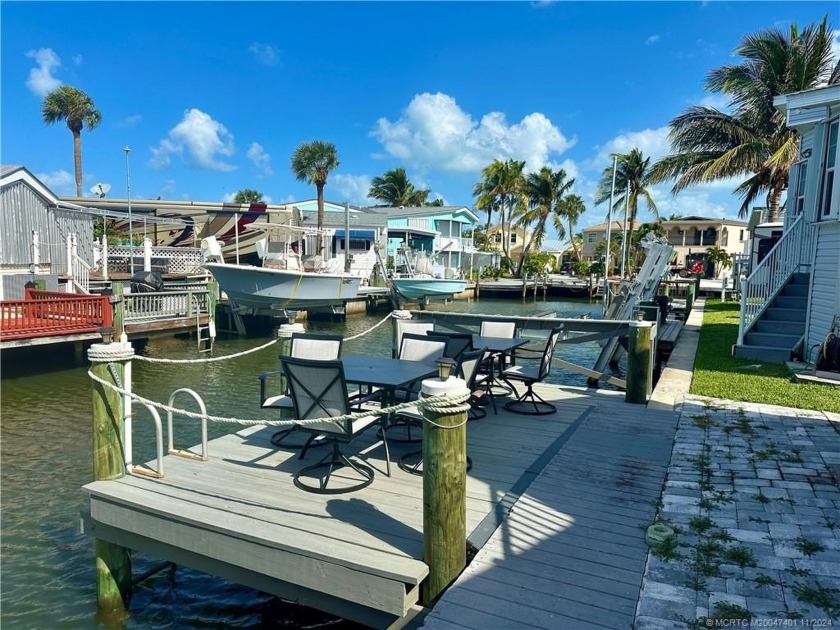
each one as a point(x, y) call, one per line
point(572, 237)
point(77, 159)
point(773, 205)
point(320, 196)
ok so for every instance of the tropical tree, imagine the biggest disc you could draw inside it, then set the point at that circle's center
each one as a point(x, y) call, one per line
point(77, 109)
point(501, 188)
point(719, 257)
point(248, 195)
point(312, 162)
point(544, 191)
point(632, 179)
point(570, 207)
point(395, 189)
point(753, 141)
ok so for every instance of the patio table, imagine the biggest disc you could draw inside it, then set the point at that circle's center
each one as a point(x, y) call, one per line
point(498, 348)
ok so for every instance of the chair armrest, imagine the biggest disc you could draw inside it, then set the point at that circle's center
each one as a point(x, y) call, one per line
point(264, 376)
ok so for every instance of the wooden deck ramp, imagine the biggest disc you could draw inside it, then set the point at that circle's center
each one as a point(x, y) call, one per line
point(571, 553)
point(356, 555)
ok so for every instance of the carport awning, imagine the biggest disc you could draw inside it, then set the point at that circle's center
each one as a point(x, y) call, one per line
point(368, 235)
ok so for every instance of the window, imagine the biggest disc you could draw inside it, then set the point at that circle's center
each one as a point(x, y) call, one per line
point(592, 237)
point(497, 237)
point(830, 169)
point(741, 238)
point(800, 175)
point(512, 238)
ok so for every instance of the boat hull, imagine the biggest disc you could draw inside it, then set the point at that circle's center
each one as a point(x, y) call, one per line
point(262, 287)
point(418, 288)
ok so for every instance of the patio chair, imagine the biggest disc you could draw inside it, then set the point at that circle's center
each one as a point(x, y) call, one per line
point(413, 326)
point(530, 403)
point(456, 343)
point(319, 390)
point(303, 346)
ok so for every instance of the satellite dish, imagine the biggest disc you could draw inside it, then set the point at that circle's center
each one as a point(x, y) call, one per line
point(100, 189)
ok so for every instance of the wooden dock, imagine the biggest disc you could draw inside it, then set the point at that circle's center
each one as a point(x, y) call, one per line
point(571, 553)
point(359, 555)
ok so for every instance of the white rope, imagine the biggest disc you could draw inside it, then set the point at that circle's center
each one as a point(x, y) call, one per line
point(208, 360)
point(376, 325)
point(433, 402)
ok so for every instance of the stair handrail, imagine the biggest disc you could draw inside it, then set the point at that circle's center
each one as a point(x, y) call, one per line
point(78, 269)
point(770, 276)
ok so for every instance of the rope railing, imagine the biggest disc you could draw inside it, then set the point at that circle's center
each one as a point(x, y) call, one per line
point(394, 314)
point(435, 403)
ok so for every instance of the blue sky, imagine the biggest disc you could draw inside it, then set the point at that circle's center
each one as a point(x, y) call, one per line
point(214, 97)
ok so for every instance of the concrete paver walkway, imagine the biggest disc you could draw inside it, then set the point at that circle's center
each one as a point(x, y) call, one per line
point(753, 491)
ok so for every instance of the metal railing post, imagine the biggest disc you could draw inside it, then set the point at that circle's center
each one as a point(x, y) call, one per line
point(744, 285)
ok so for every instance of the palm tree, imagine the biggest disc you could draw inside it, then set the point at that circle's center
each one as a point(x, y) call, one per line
point(570, 207)
point(394, 189)
point(502, 187)
point(718, 257)
point(312, 162)
point(544, 190)
point(77, 109)
point(753, 141)
point(248, 195)
point(632, 178)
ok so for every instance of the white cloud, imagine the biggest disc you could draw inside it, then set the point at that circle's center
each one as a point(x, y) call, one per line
point(650, 41)
point(350, 188)
point(41, 80)
point(130, 121)
point(652, 142)
point(434, 133)
point(201, 138)
point(716, 101)
point(260, 158)
point(60, 182)
point(266, 54)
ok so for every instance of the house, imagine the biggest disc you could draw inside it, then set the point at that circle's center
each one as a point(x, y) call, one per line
point(516, 237)
point(560, 251)
point(690, 237)
point(34, 229)
point(790, 302)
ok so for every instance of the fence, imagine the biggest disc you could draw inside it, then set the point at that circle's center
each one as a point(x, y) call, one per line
point(47, 313)
point(167, 304)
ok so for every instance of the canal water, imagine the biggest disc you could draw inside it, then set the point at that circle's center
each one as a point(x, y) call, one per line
point(47, 570)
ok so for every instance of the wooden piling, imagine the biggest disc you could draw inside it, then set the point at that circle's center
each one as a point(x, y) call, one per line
point(113, 562)
point(118, 304)
point(690, 294)
point(444, 488)
point(639, 362)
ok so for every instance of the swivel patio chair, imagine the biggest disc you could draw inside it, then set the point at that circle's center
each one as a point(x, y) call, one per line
point(412, 462)
point(456, 343)
point(303, 346)
point(413, 326)
point(319, 390)
point(530, 403)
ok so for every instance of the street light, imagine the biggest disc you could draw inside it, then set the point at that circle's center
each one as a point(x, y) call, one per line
point(128, 195)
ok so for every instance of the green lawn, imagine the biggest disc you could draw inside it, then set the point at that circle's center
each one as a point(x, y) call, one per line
point(720, 375)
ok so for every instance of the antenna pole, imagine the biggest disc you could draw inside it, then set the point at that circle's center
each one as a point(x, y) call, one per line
point(128, 195)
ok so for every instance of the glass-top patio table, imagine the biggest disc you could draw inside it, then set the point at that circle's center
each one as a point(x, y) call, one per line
point(384, 372)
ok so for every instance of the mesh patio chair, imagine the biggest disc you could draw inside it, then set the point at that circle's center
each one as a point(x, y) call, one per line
point(530, 402)
point(412, 326)
point(423, 349)
point(456, 343)
point(319, 390)
point(303, 346)
point(467, 369)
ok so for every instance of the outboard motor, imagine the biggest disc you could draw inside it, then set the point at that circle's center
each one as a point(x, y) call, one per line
point(146, 282)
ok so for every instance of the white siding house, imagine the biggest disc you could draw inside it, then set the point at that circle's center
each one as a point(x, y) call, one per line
point(790, 301)
point(815, 193)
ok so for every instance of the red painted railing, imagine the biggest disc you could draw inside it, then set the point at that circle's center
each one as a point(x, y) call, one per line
point(47, 314)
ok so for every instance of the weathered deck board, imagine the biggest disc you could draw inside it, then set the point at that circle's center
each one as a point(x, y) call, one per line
point(571, 553)
point(357, 555)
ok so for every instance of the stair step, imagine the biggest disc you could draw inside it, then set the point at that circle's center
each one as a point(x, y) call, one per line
point(767, 354)
point(789, 314)
point(788, 301)
point(801, 278)
point(780, 326)
point(778, 340)
point(795, 290)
